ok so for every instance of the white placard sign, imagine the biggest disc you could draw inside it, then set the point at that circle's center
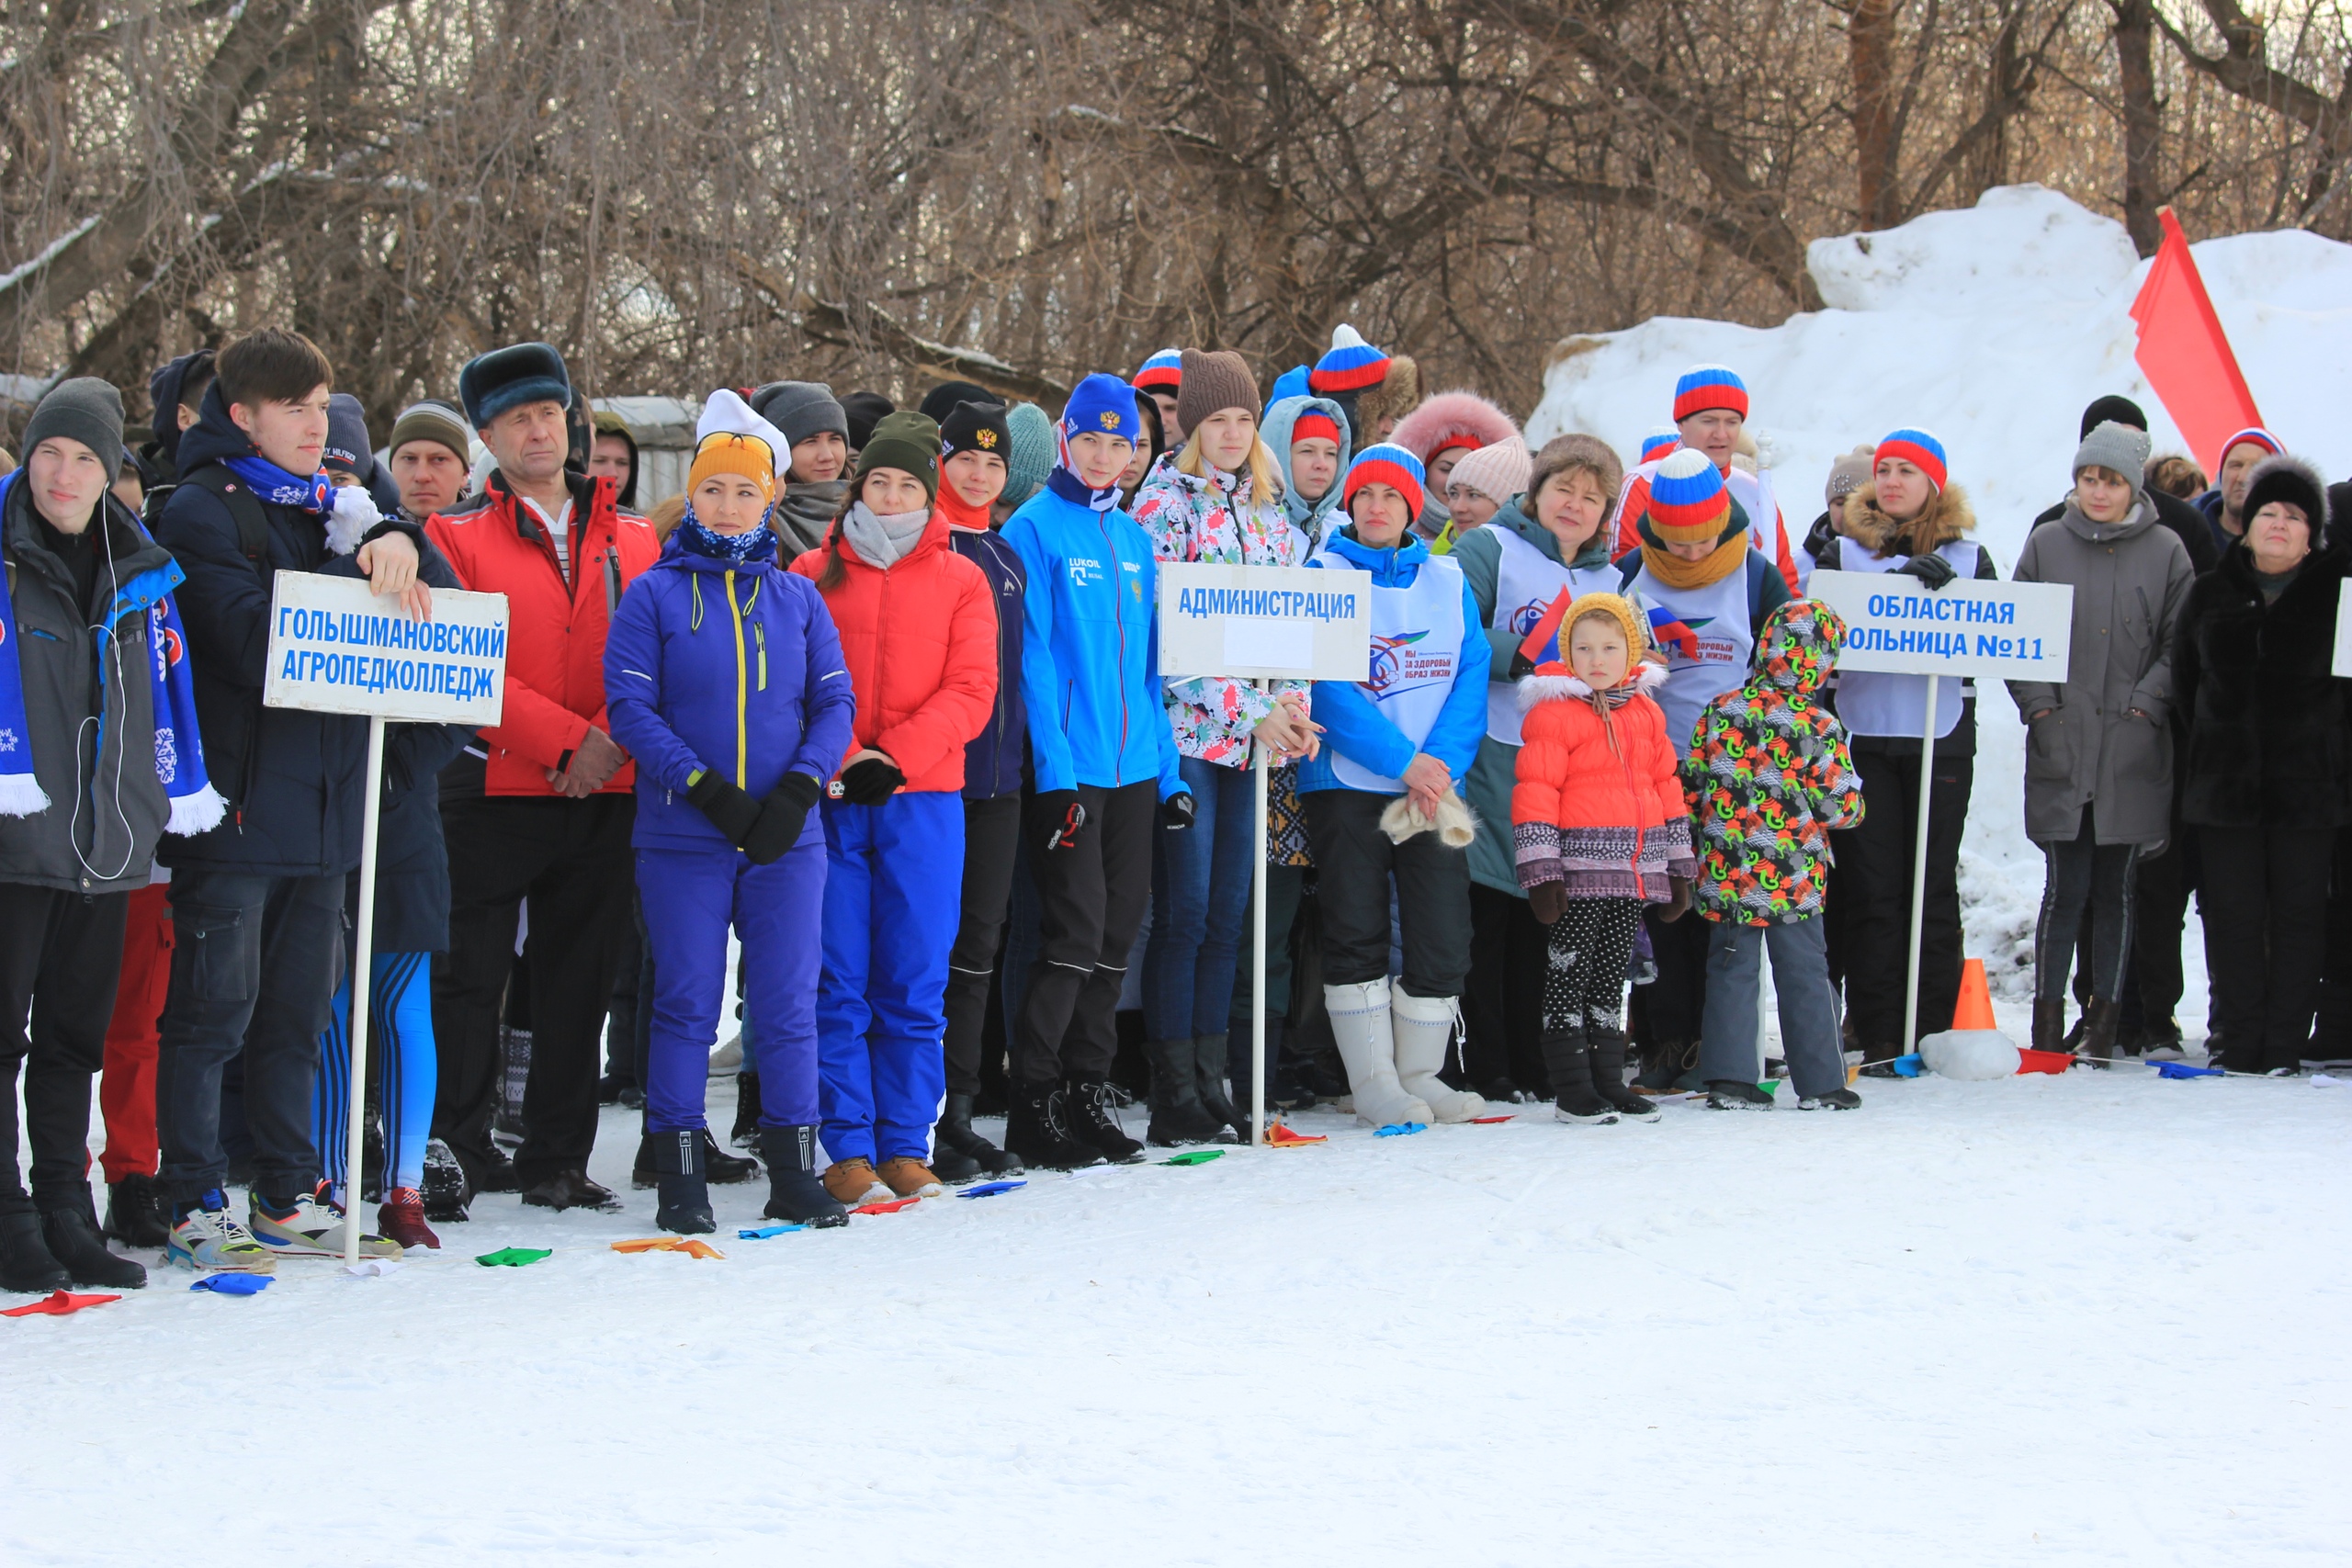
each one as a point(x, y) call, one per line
point(2343, 663)
point(2018, 631)
point(335, 648)
point(1264, 623)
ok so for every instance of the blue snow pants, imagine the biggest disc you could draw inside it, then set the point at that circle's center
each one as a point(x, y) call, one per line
point(894, 877)
point(691, 896)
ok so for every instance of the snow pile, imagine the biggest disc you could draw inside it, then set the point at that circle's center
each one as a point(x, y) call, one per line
point(1991, 327)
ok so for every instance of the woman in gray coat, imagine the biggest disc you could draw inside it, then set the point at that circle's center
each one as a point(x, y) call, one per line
point(2098, 748)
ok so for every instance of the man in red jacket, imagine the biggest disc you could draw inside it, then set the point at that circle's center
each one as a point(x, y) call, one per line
point(539, 810)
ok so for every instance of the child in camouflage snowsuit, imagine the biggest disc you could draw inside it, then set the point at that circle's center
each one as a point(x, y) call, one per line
point(1768, 777)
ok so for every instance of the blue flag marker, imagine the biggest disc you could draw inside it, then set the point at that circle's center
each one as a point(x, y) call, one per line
point(1402, 1129)
point(2183, 1070)
point(767, 1231)
point(988, 1189)
point(232, 1285)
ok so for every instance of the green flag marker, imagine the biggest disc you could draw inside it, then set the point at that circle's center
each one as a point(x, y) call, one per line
point(1196, 1156)
point(513, 1257)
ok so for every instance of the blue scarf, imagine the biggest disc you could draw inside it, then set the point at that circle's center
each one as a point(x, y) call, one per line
point(736, 549)
point(274, 485)
point(1070, 488)
point(179, 749)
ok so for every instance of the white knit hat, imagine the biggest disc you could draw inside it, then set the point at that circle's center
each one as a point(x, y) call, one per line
point(1497, 472)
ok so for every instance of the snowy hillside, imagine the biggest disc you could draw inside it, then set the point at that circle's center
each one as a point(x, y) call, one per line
point(1991, 327)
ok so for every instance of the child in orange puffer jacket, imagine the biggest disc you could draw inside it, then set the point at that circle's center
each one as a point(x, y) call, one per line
point(1600, 829)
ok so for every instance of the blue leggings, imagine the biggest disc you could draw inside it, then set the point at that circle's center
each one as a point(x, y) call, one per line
point(399, 1001)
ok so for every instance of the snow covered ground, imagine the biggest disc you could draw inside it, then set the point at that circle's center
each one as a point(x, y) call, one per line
point(2084, 1320)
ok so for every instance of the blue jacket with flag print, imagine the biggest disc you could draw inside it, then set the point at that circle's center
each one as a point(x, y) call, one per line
point(1090, 649)
point(710, 665)
point(1354, 725)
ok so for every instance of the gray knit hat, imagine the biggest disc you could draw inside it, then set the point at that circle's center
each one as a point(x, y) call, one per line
point(1032, 457)
point(435, 421)
point(2116, 448)
point(1848, 471)
point(801, 409)
point(84, 409)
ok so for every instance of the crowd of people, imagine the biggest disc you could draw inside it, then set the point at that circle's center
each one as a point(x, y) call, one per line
point(876, 707)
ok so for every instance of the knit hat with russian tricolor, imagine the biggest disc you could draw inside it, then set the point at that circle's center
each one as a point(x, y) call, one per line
point(1704, 387)
point(1688, 501)
point(1349, 366)
point(1391, 465)
point(1162, 370)
point(1658, 443)
point(1920, 449)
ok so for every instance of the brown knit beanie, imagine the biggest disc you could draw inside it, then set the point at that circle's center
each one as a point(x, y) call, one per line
point(1213, 383)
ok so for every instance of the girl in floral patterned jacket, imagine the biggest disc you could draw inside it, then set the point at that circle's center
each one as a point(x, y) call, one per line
point(1217, 499)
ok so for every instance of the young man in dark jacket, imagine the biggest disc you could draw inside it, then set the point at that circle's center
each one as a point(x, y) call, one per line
point(262, 894)
point(82, 808)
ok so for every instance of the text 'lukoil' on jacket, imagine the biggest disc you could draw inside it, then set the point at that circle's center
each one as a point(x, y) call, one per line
point(733, 669)
point(1427, 690)
point(919, 637)
point(1089, 654)
point(555, 642)
point(1769, 776)
point(1596, 804)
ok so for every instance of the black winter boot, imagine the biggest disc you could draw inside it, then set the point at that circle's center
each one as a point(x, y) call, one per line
point(1567, 1056)
point(1608, 1046)
point(746, 1133)
point(1733, 1094)
point(685, 1183)
point(2050, 1023)
point(135, 1212)
point(1087, 1111)
point(2099, 1021)
point(445, 1192)
point(723, 1169)
point(1177, 1115)
point(71, 1232)
point(953, 1140)
point(1038, 1130)
point(795, 1194)
point(1209, 1069)
point(26, 1262)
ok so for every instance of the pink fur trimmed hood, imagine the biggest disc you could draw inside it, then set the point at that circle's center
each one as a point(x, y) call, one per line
point(1452, 419)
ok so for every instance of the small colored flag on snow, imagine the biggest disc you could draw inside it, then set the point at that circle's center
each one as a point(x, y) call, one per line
point(514, 1256)
point(2186, 355)
point(692, 1247)
point(988, 1189)
point(232, 1285)
point(1195, 1157)
point(1279, 1136)
point(57, 1303)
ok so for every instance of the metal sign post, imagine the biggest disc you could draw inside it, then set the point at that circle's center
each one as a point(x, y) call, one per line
point(335, 648)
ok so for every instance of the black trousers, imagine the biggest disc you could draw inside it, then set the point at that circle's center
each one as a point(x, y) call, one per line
point(991, 838)
point(2265, 900)
point(1874, 879)
point(571, 858)
point(2332, 1037)
point(1502, 1010)
point(60, 955)
point(1092, 897)
point(2082, 874)
point(1353, 862)
point(1672, 1009)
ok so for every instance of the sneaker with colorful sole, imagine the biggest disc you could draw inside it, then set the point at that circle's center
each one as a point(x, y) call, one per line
point(311, 1228)
point(208, 1237)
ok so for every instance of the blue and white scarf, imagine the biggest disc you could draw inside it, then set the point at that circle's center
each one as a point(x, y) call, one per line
point(280, 486)
point(736, 549)
point(197, 807)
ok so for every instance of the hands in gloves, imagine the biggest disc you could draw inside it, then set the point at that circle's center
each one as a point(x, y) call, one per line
point(1176, 813)
point(782, 814)
point(730, 811)
point(1932, 571)
point(871, 780)
point(1549, 900)
point(1060, 816)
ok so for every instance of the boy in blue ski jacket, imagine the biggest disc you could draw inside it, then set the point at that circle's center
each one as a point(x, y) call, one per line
point(1103, 775)
point(1382, 800)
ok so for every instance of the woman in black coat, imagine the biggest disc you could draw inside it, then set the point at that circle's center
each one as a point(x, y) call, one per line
point(2267, 782)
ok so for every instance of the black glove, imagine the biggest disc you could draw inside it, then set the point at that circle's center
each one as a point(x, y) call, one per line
point(1058, 816)
point(782, 816)
point(1522, 667)
point(730, 811)
point(1932, 571)
point(1549, 900)
point(1680, 904)
point(1176, 813)
point(870, 781)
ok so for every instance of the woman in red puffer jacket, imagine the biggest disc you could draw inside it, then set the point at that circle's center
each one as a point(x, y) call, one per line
point(918, 630)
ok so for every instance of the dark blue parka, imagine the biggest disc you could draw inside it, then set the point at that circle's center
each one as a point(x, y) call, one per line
point(292, 779)
point(992, 757)
point(736, 669)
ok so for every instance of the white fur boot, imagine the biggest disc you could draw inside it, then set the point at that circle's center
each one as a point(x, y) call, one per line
point(1360, 1024)
point(1423, 1027)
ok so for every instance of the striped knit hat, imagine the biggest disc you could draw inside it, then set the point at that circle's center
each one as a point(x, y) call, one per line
point(1704, 387)
point(2253, 433)
point(1312, 423)
point(1165, 368)
point(1920, 449)
point(1689, 504)
point(1350, 364)
point(1658, 443)
point(1391, 465)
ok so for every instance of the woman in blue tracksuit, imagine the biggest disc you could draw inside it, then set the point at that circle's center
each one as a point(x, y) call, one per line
point(727, 683)
point(1104, 772)
point(1410, 731)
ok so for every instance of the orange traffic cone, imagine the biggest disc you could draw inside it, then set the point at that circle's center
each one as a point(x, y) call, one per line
point(1976, 1007)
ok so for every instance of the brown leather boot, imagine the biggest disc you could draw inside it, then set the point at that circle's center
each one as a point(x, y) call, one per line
point(2099, 1022)
point(2050, 1023)
point(908, 1176)
point(852, 1181)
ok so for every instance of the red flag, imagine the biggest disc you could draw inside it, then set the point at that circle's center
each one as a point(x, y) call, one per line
point(2185, 354)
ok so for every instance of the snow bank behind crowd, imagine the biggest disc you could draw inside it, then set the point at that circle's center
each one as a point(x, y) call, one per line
point(1991, 327)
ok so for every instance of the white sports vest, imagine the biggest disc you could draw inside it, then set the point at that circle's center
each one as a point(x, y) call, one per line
point(1526, 583)
point(1871, 702)
point(1717, 617)
point(1416, 648)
